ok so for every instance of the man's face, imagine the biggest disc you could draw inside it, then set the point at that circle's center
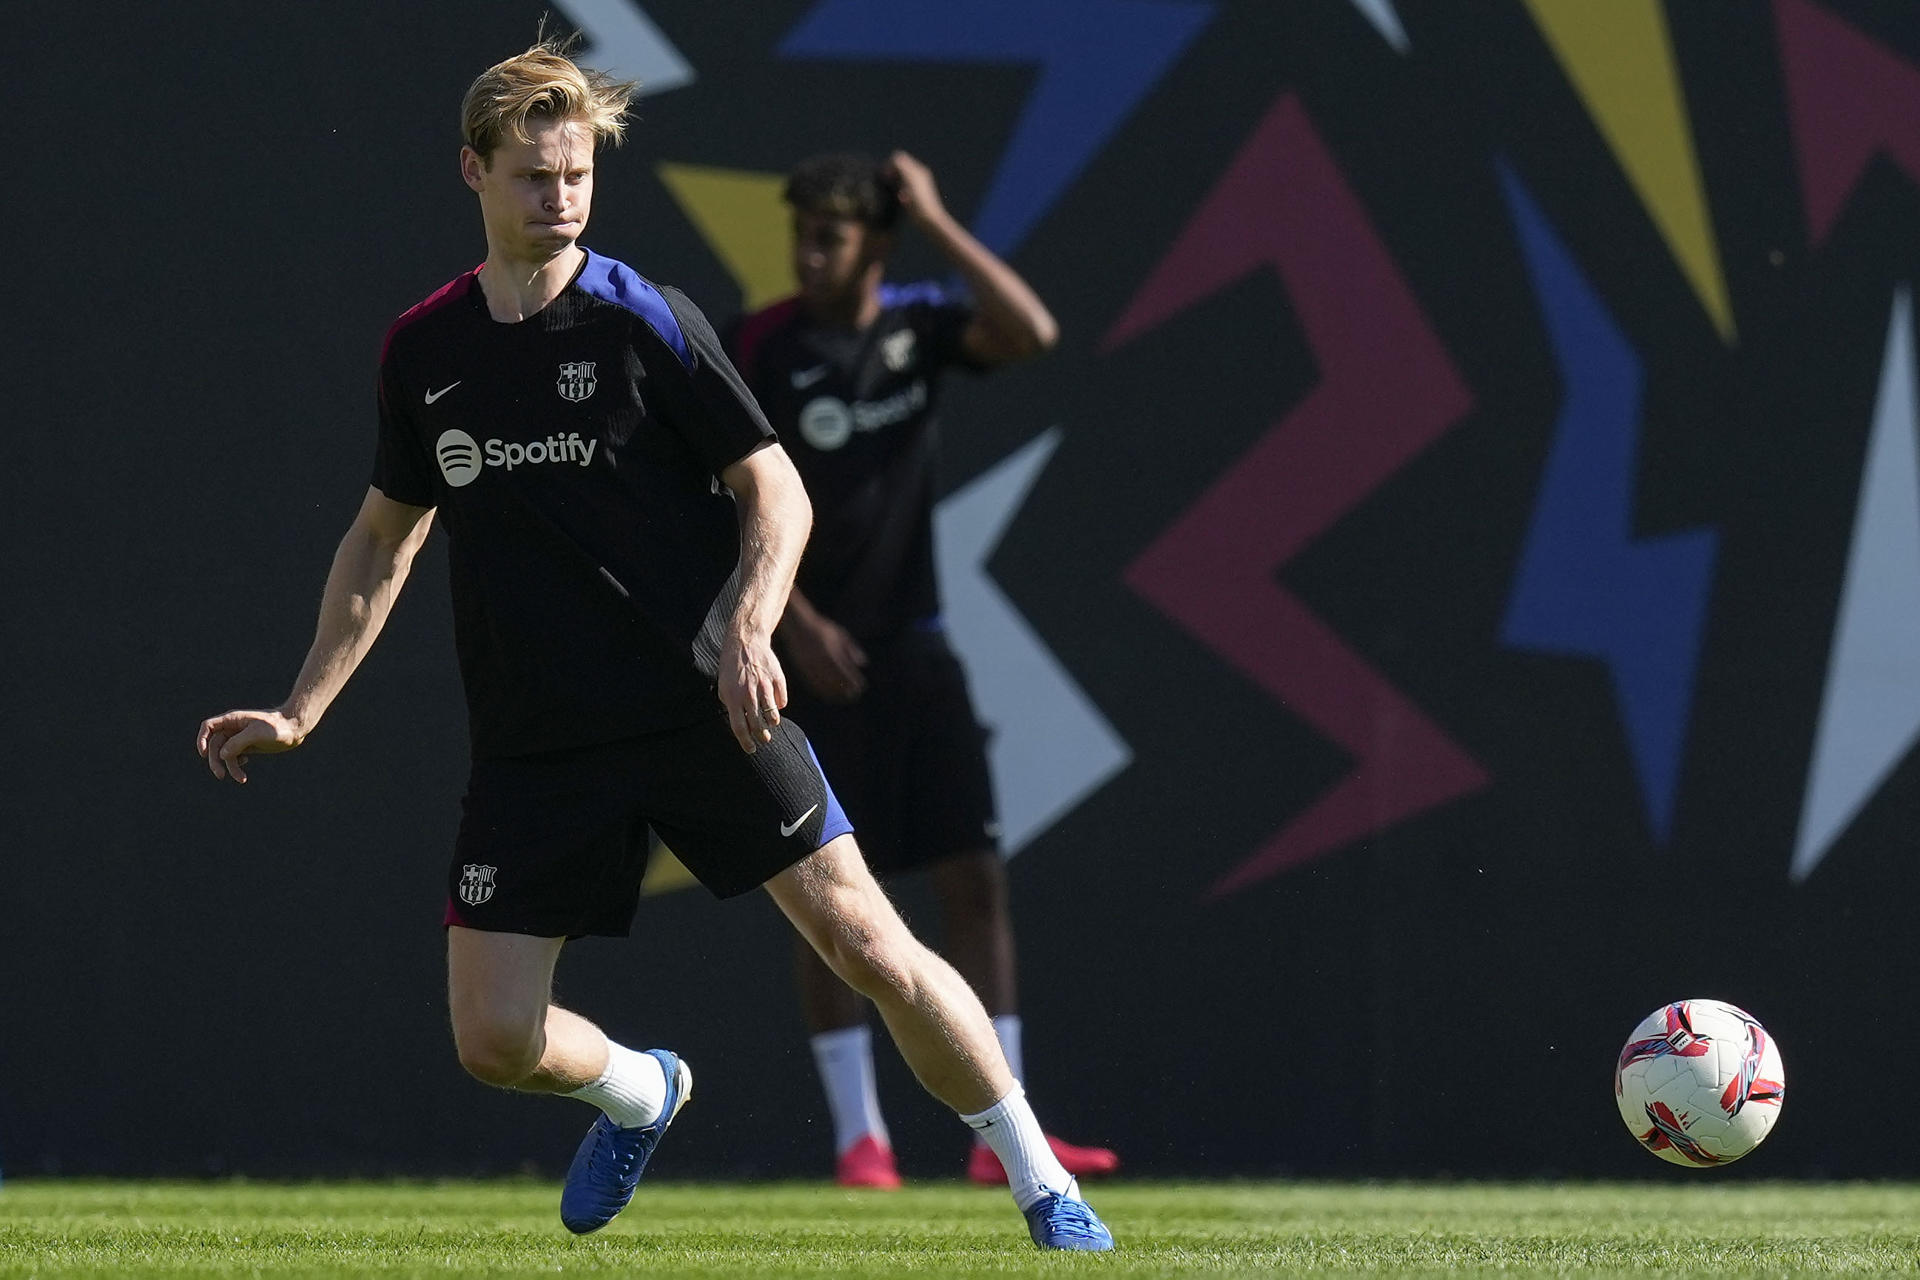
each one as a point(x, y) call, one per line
point(830, 255)
point(535, 195)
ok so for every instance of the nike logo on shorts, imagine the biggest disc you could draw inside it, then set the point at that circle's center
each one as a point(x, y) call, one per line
point(435, 395)
point(788, 828)
point(805, 378)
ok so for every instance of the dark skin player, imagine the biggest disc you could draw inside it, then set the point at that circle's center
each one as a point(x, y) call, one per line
point(839, 264)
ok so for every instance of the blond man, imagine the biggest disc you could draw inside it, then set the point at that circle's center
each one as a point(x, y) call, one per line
point(624, 529)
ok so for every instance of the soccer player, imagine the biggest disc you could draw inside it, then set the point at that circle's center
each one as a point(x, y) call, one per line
point(849, 369)
point(624, 529)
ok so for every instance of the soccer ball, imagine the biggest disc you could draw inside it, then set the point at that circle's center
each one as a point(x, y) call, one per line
point(1699, 1083)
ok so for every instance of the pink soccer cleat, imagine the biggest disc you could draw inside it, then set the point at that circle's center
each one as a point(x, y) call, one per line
point(869, 1163)
point(984, 1168)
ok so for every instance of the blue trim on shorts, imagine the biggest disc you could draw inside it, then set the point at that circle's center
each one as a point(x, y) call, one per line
point(835, 824)
point(614, 281)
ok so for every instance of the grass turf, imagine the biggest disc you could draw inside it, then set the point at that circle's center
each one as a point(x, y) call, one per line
point(55, 1228)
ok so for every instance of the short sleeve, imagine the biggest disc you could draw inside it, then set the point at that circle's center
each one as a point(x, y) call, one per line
point(939, 318)
point(400, 468)
point(715, 413)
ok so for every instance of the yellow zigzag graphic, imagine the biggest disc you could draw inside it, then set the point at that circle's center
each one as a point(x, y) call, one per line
point(1619, 57)
point(740, 215)
point(665, 872)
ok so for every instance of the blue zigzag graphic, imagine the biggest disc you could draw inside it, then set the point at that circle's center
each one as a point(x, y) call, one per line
point(1098, 59)
point(1586, 586)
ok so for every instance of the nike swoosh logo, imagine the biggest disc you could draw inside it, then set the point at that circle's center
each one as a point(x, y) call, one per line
point(807, 377)
point(435, 395)
point(788, 828)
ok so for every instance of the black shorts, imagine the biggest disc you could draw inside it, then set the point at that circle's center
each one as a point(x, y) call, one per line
point(909, 759)
point(555, 845)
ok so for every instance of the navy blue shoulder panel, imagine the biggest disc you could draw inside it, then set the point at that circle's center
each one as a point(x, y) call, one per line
point(614, 281)
point(901, 295)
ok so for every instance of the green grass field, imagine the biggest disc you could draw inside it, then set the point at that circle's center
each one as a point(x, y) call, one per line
point(511, 1228)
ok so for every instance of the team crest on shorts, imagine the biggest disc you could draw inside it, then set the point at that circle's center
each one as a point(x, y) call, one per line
point(576, 380)
point(476, 883)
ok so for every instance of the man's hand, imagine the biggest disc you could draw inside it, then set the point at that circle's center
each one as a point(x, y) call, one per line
point(753, 688)
point(919, 197)
point(829, 658)
point(227, 740)
point(1009, 322)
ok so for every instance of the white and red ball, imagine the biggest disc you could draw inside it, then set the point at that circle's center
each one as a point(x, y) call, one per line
point(1700, 1083)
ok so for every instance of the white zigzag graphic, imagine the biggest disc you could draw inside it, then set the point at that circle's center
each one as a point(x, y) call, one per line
point(1386, 20)
point(1051, 747)
point(625, 41)
point(1870, 715)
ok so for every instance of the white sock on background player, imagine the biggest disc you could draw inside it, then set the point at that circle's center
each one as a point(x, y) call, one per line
point(845, 1060)
point(1009, 1127)
point(632, 1089)
point(1006, 1028)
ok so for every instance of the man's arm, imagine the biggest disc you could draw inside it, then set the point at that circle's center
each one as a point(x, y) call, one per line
point(827, 655)
point(1011, 323)
point(369, 568)
point(775, 518)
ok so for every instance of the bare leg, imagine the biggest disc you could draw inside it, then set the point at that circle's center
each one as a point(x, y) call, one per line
point(977, 925)
point(842, 1045)
point(506, 1027)
point(935, 1019)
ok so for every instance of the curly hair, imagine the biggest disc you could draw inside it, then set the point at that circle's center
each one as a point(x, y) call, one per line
point(844, 185)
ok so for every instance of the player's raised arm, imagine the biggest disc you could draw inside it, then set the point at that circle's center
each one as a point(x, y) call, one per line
point(1012, 323)
point(369, 568)
point(775, 517)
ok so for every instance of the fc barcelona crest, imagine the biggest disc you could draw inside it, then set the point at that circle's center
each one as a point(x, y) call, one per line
point(476, 883)
point(897, 350)
point(576, 380)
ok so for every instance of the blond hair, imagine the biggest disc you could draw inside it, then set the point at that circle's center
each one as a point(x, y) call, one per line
point(544, 83)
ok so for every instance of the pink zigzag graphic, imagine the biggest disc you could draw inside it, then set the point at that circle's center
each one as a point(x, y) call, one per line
point(1850, 98)
point(1387, 392)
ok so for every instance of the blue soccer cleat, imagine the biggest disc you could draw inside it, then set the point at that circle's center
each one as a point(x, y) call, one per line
point(1066, 1222)
point(608, 1165)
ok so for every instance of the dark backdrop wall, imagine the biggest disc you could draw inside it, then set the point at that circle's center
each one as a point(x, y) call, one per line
point(1477, 539)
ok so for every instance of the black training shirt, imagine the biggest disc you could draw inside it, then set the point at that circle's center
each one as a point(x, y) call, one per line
point(856, 415)
point(573, 457)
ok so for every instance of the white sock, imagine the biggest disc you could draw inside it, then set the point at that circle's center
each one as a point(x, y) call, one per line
point(1032, 1169)
point(1006, 1026)
point(845, 1059)
point(631, 1090)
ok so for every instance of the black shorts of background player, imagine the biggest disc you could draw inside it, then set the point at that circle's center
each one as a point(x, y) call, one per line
point(849, 371)
point(614, 610)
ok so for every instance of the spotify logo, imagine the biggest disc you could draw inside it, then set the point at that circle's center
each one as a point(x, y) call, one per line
point(459, 457)
point(826, 423)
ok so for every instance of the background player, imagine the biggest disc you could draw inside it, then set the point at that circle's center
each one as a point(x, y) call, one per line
point(849, 370)
point(573, 425)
